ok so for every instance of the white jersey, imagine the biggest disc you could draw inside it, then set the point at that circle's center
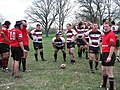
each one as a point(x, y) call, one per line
point(37, 35)
point(94, 37)
point(70, 35)
point(58, 42)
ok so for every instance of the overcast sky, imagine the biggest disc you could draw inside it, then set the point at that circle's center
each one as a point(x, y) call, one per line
point(13, 10)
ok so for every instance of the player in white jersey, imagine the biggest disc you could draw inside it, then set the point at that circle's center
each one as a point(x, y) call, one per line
point(80, 43)
point(115, 29)
point(36, 36)
point(94, 49)
point(58, 43)
point(71, 36)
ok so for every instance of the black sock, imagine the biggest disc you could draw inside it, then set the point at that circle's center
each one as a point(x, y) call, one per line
point(36, 56)
point(96, 64)
point(80, 54)
point(86, 55)
point(41, 54)
point(55, 57)
point(91, 64)
point(105, 77)
point(0, 63)
point(100, 56)
point(111, 82)
point(83, 50)
point(64, 56)
point(24, 63)
point(20, 64)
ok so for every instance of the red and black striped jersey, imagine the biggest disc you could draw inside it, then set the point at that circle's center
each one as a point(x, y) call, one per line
point(37, 35)
point(94, 37)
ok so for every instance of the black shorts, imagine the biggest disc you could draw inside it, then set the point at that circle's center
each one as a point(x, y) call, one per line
point(16, 53)
point(37, 45)
point(59, 47)
point(104, 58)
point(94, 50)
point(117, 43)
point(4, 48)
point(87, 39)
point(70, 45)
point(80, 42)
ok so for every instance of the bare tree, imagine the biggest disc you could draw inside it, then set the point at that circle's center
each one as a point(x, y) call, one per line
point(96, 10)
point(64, 10)
point(44, 12)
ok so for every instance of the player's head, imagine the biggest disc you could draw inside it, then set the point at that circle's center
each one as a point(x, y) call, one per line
point(38, 27)
point(69, 26)
point(7, 24)
point(24, 23)
point(18, 24)
point(106, 27)
point(57, 35)
point(95, 26)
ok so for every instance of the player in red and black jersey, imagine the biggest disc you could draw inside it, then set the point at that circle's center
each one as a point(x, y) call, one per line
point(36, 36)
point(17, 47)
point(108, 56)
point(4, 45)
point(58, 43)
point(25, 43)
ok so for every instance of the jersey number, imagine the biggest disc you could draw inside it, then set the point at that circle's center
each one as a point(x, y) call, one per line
point(12, 36)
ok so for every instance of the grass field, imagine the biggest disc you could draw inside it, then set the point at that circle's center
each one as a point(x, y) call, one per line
point(49, 76)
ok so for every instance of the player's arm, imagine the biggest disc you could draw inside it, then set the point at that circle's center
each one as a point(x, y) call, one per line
point(112, 48)
point(3, 36)
point(53, 42)
point(30, 35)
point(84, 39)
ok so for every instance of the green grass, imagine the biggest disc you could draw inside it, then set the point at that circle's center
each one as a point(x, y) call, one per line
point(49, 76)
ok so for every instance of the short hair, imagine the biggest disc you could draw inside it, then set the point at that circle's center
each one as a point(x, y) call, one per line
point(104, 20)
point(38, 25)
point(18, 24)
point(7, 23)
point(69, 24)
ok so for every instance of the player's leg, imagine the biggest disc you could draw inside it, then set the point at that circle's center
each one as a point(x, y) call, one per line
point(24, 58)
point(64, 55)
point(41, 52)
point(55, 54)
point(35, 50)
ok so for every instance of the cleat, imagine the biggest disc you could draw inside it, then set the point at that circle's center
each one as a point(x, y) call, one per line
point(43, 59)
point(72, 61)
point(92, 71)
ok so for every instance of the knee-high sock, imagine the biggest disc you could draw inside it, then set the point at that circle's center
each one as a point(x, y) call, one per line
point(96, 64)
point(64, 56)
point(24, 63)
point(86, 55)
point(104, 83)
point(80, 53)
point(41, 54)
point(55, 57)
point(20, 64)
point(0, 63)
point(91, 64)
point(36, 56)
point(100, 56)
point(5, 63)
point(111, 82)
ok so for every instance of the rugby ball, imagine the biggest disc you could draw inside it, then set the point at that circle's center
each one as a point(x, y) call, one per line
point(62, 66)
